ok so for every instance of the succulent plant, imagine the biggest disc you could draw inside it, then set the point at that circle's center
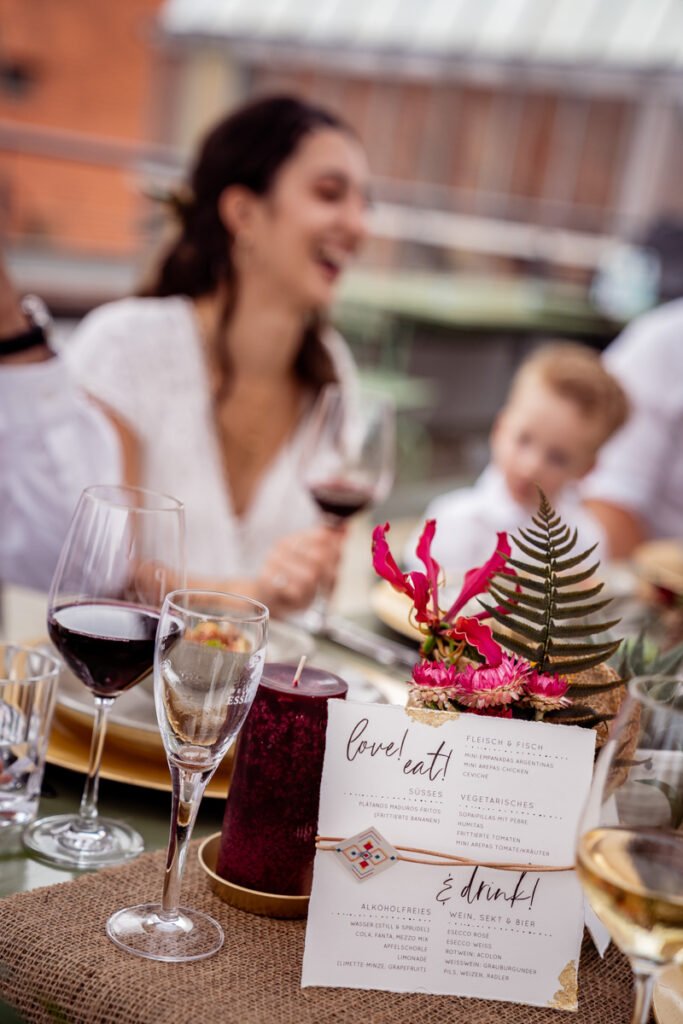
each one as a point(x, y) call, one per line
point(640, 657)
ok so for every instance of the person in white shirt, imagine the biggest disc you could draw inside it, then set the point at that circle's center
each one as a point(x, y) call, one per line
point(636, 490)
point(53, 443)
point(561, 408)
point(203, 386)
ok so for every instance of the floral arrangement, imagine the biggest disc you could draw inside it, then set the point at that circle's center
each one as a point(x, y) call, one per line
point(537, 664)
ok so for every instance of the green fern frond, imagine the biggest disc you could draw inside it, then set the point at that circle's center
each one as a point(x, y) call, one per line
point(585, 628)
point(560, 552)
point(583, 610)
point(597, 688)
point(580, 715)
point(516, 646)
point(543, 613)
point(511, 606)
point(571, 649)
point(568, 598)
point(570, 563)
point(515, 624)
point(570, 666)
point(527, 567)
point(537, 553)
point(517, 597)
point(577, 577)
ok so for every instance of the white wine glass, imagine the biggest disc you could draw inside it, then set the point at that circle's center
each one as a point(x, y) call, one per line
point(124, 551)
point(209, 656)
point(630, 847)
point(347, 459)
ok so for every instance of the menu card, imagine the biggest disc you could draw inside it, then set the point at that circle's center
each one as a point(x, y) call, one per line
point(490, 790)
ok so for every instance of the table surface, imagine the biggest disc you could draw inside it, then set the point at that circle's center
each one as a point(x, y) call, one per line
point(147, 810)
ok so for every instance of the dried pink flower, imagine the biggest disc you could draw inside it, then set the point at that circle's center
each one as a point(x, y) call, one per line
point(441, 698)
point(489, 686)
point(545, 692)
point(434, 674)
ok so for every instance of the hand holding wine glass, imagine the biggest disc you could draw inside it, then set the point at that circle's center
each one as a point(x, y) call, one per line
point(210, 651)
point(347, 460)
point(630, 848)
point(124, 551)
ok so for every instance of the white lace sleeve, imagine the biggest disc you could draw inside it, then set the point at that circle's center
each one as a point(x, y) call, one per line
point(103, 356)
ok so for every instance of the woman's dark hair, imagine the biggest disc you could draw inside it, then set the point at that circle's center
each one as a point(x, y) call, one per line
point(247, 148)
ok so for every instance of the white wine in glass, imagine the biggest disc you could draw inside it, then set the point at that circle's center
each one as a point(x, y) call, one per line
point(630, 849)
point(209, 655)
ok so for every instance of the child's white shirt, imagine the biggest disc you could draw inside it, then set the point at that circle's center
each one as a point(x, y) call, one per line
point(469, 518)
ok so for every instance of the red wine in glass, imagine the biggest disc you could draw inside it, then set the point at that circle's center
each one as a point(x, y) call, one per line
point(123, 553)
point(339, 499)
point(109, 645)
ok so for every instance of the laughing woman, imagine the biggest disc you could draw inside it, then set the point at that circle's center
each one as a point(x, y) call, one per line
point(209, 376)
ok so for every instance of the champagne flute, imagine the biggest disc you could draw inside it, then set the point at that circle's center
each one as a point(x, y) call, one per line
point(124, 551)
point(347, 459)
point(630, 847)
point(209, 656)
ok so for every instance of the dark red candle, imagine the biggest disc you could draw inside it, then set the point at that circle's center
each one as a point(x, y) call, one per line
point(269, 828)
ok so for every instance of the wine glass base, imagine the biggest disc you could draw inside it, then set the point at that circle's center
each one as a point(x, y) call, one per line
point(61, 841)
point(191, 935)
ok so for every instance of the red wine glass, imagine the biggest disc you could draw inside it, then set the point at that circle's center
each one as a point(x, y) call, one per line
point(125, 550)
point(347, 461)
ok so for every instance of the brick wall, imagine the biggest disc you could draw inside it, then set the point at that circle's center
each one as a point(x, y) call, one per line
point(75, 103)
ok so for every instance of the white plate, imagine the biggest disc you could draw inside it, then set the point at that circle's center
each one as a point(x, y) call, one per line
point(660, 562)
point(135, 707)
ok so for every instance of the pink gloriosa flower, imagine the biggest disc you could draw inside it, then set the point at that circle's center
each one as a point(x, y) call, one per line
point(423, 587)
point(477, 580)
point(479, 636)
point(419, 587)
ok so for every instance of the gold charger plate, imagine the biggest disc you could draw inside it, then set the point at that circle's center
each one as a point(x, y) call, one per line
point(668, 998)
point(133, 750)
point(69, 747)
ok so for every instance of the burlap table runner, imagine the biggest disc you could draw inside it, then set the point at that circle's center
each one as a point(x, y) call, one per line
point(58, 967)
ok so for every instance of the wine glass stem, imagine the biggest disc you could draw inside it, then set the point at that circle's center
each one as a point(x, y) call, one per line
point(88, 808)
point(323, 597)
point(644, 983)
point(188, 789)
